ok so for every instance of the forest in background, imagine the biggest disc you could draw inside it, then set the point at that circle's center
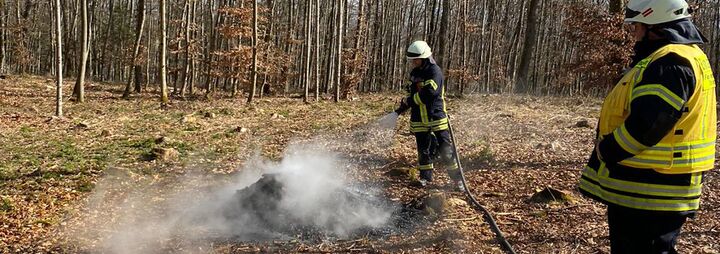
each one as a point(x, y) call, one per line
point(326, 47)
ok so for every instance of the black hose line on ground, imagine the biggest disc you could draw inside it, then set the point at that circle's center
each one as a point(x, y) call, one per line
point(486, 214)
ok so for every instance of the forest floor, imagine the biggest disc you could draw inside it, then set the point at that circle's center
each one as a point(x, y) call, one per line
point(81, 183)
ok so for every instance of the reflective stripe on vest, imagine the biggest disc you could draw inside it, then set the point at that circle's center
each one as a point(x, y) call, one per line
point(660, 91)
point(640, 203)
point(655, 197)
point(670, 191)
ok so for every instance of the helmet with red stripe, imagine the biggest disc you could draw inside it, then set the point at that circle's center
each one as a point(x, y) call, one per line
point(654, 12)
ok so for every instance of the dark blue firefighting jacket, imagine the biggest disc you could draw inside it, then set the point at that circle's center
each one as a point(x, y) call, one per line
point(427, 98)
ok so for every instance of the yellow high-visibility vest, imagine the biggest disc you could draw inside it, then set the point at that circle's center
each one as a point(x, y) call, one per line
point(683, 154)
point(690, 146)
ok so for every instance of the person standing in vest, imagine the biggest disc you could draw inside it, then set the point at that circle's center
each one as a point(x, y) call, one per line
point(428, 114)
point(656, 133)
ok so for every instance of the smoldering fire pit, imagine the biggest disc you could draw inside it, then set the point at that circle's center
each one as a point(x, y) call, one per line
point(346, 213)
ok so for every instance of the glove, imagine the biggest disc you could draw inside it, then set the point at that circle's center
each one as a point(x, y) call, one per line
point(403, 107)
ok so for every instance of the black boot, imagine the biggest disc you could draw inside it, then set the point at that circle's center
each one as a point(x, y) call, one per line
point(425, 177)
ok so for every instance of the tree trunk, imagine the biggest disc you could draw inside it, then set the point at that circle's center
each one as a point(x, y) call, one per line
point(308, 45)
point(135, 65)
point(358, 38)
point(317, 50)
point(522, 85)
point(3, 33)
point(444, 34)
point(193, 71)
point(147, 61)
point(139, 27)
point(176, 59)
point(163, 54)
point(58, 60)
point(79, 90)
point(272, 41)
point(214, 20)
point(186, 71)
point(465, 35)
point(290, 38)
point(254, 52)
point(103, 62)
point(338, 78)
point(329, 42)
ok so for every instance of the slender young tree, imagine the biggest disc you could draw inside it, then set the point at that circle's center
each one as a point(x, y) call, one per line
point(254, 52)
point(79, 90)
point(187, 70)
point(141, 76)
point(3, 33)
point(58, 60)
point(136, 68)
point(340, 29)
point(317, 50)
point(103, 61)
point(163, 53)
point(308, 45)
point(193, 61)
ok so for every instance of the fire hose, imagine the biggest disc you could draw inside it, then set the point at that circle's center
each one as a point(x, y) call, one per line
point(486, 213)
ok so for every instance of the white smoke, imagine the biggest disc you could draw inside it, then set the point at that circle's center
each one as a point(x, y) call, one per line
point(314, 194)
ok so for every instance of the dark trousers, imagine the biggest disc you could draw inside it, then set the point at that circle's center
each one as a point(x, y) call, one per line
point(639, 232)
point(432, 146)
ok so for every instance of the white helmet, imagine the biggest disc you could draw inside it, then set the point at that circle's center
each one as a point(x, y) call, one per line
point(652, 12)
point(418, 50)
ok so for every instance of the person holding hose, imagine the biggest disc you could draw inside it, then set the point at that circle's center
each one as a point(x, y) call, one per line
point(428, 114)
point(656, 133)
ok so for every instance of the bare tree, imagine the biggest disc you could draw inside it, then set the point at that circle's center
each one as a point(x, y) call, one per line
point(308, 45)
point(254, 52)
point(163, 54)
point(317, 50)
point(340, 29)
point(3, 34)
point(58, 60)
point(135, 65)
point(187, 70)
point(523, 85)
point(79, 90)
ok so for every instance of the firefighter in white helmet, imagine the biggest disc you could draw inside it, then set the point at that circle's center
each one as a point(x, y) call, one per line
point(656, 133)
point(428, 114)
